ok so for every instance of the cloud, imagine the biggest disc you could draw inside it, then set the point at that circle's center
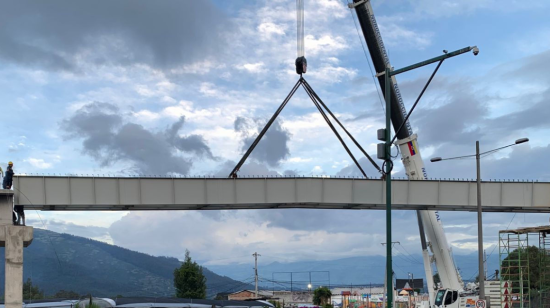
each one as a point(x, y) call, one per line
point(250, 168)
point(398, 36)
point(272, 149)
point(39, 163)
point(193, 143)
point(108, 140)
point(59, 34)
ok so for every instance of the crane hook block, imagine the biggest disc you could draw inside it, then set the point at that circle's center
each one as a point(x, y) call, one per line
point(301, 65)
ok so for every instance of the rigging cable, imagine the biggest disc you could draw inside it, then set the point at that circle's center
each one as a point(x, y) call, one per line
point(333, 129)
point(264, 130)
point(368, 62)
point(342, 126)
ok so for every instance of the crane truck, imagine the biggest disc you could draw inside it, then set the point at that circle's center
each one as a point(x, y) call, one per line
point(451, 294)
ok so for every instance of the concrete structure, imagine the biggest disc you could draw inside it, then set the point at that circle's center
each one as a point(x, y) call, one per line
point(13, 238)
point(119, 193)
point(293, 298)
point(249, 294)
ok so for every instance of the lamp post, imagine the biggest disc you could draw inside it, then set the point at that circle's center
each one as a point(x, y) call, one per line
point(384, 149)
point(479, 209)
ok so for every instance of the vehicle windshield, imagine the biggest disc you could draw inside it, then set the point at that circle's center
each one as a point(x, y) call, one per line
point(439, 297)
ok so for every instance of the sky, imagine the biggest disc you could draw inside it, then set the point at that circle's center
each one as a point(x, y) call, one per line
point(183, 87)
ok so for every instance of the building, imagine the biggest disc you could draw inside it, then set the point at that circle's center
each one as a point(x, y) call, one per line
point(344, 296)
point(249, 294)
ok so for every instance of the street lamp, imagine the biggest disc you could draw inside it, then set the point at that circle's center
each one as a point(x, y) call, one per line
point(384, 149)
point(479, 210)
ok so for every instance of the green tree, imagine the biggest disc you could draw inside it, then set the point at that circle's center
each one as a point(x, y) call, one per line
point(189, 280)
point(31, 291)
point(535, 258)
point(321, 296)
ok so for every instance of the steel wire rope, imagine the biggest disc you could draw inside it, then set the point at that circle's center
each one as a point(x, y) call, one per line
point(376, 85)
point(264, 130)
point(342, 126)
point(334, 130)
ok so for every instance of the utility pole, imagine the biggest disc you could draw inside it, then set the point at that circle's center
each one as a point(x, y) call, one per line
point(481, 271)
point(485, 263)
point(256, 255)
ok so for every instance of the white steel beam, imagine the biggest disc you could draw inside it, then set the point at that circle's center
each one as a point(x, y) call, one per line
point(113, 193)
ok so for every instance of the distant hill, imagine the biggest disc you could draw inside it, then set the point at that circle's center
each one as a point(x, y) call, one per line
point(88, 266)
point(347, 272)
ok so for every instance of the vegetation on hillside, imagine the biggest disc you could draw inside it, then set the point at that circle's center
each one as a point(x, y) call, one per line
point(63, 266)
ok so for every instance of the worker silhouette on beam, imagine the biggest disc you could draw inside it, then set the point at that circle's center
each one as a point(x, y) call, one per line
point(7, 184)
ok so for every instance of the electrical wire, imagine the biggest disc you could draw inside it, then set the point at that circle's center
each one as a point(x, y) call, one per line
point(410, 255)
point(477, 272)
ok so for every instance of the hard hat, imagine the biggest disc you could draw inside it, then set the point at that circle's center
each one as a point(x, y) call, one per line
point(10, 163)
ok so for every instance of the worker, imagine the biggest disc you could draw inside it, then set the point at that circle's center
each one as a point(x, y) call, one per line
point(8, 178)
point(7, 184)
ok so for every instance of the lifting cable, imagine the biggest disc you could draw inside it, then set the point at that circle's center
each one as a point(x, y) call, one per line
point(333, 129)
point(301, 67)
point(233, 173)
point(342, 126)
point(319, 104)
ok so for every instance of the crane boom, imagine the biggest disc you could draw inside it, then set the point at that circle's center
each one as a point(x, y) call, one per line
point(429, 221)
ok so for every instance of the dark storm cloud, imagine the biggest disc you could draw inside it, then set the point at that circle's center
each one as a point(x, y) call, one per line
point(165, 33)
point(192, 143)
point(95, 123)
point(534, 116)
point(455, 119)
point(272, 149)
point(108, 140)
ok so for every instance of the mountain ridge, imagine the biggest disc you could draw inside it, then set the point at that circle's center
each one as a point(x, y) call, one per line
point(59, 261)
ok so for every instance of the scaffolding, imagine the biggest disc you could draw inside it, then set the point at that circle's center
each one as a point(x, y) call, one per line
point(524, 267)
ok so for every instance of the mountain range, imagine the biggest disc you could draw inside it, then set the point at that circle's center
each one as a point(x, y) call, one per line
point(348, 271)
point(57, 261)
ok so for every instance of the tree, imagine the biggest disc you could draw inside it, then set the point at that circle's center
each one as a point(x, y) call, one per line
point(189, 280)
point(321, 296)
point(535, 257)
point(31, 291)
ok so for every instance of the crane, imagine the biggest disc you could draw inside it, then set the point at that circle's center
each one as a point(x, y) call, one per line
point(429, 222)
